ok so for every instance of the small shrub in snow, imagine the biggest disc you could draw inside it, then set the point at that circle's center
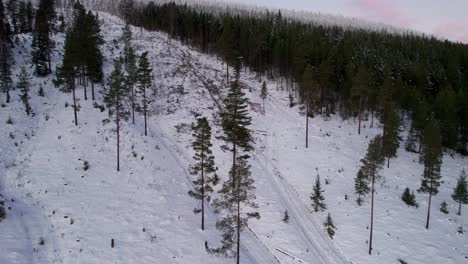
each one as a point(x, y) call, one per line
point(286, 216)
point(66, 104)
point(402, 261)
point(443, 207)
point(10, 121)
point(409, 198)
point(41, 241)
point(2, 209)
point(329, 226)
point(86, 165)
point(41, 92)
point(291, 101)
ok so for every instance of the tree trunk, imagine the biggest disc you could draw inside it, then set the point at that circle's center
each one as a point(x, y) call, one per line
point(8, 95)
point(459, 207)
point(202, 192)
point(145, 109)
point(307, 124)
point(388, 162)
point(227, 70)
point(92, 90)
point(429, 207)
point(85, 91)
point(372, 214)
point(118, 137)
point(133, 105)
point(360, 110)
point(238, 219)
point(372, 119)
point(72, 83)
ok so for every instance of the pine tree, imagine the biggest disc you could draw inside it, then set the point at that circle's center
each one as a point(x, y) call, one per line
point(309, 89)
point(409, 198)
point(29, 17)
point(131, 79)
point(127, 41)
point(204, 166)
point(443, 207)
point(42, 43)
point(361, 186)
point(446, 113)
point(371, 165)
point(460, 193)
point(93, 54)
point(329, 226)
point(286, 217)
point(67, 72)
point(41, 91)
point(235, 121)
point(359, 92)
point(22, 18)
point(145, 82)
point(317, 197)
point(431, 157)
point(12, 8)
point(411, 140)
point(264, 94)
point(115, 98)
point(125, 9)
point(391, 136)
point(5, 69)
point(24, 85)
point(236, 195)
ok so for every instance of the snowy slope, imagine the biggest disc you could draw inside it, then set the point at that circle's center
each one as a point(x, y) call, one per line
point(145, 207)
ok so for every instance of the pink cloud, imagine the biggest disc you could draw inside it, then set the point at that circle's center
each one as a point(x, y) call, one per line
point(382, 10)
point(455, 31)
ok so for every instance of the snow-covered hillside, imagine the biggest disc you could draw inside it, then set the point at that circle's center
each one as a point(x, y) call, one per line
point(60, 213)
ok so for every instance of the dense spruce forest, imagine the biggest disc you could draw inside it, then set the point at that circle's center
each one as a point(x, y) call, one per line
point(354, 73)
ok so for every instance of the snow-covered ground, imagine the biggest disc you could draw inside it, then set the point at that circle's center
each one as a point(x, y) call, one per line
point(145, 207)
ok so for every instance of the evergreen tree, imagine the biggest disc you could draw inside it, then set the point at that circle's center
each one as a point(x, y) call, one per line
point(409, 198)
point(329, 226)
point(411, 140)
point(29, 17)
point(317, 197)
point(391, 136)
point(131, 79)
point(127, 42)
point(5, 69)
point(359, 92)
point(41, 91)
point(361, 186)
point(235, 121)
point(67, 72)
point(92, 53)
point(42, 43)
point(371, 165)
point(443, 207)
point(446, 113)
point(431, 157)
point(22, 18)
point(12, 8)
point(236, 195)
point(264, 94)
point(115, 98)
point(286, 217)
point(460, 193)
point(145, 82)
point(309, 89)
point(204, 168)
point(126, 8)
point(24, 85)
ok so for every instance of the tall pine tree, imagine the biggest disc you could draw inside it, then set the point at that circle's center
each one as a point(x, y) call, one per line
point(24, 85)
point(371, 166)
point(361, 186)
point(115, 98)
point(391, 135)
point(42, 43)
point(145, 82)
point(204, 168)
point(431, 157)
point(317, 196)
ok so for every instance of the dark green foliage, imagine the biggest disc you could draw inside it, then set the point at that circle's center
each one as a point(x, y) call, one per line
point(41, 91)
point(351, 66)
point(460, 193)
point(236, 196)
point(431, 157)
point(5, 55)
point(409, 198)
point(2, 208)
point(23, 85)
point(145, 82)
point(361, 186)
point(115, 97)
point(286, 217)
point(443, 207)
point(317, 196)
point(131, 78)
point(329, 226)
point(86, 165)
point(42, 43)
point(204, 168)
point(446, 112)
point(264, 94)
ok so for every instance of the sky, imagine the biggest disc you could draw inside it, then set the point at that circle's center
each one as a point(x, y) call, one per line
point(443, 18)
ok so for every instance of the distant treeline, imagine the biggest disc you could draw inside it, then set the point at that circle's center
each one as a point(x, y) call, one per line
point(354, 71)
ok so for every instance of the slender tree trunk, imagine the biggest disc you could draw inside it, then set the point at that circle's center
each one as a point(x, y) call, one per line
point(202, 191)
point(92, 90)
point(420, 143)
point(388, 162)
point(429, 207)
point(8, 95)
point(85, 89)
point(372, 214)
point(360, 113)
point(118, 137)
point(238, 218)
point(72, 83)
point(307, 125)
point(372, 119)
point(459, 207)
point(48, 62)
